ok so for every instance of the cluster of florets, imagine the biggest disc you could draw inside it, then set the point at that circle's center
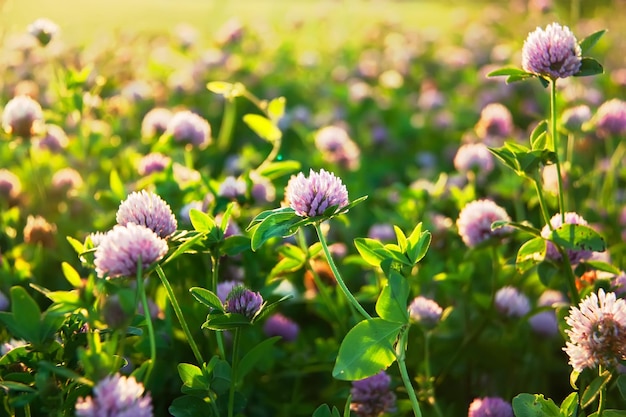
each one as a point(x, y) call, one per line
point(552, 53)
point(311, 196)
point(116, 396)
point(475, 220)
point(372, 396)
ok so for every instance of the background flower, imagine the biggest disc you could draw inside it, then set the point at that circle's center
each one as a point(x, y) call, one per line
point(474, 222)
point(116, 396)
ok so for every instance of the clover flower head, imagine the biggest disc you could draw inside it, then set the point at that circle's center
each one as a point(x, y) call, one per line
point(475, 219)
point(311, 196)
point(67, 180)
point(10, 345)
point(575, 255)
point(242, 301)
point(280, 325)
point(575, 117)
point(4, 302)
point(496, 122)
point(54, 139)
point(38, 231)
point(382, 231)
point(553, 52)
point(153, 162)
point(120, 249)
point(43, 29)
point(155, 122)
point(232, 188)
point(337, 147)
point(22, 116)
point(425, 311)
point(610, 119)
point(224, 288)
point(372, 396)
point(512, 303)
point(597, 333)
point(474, 157)
point(147, 209)
point(10, 185)
point(262, 191)
point(190, 129)
point(116, 396)
point(490, 407)
point(545, 323)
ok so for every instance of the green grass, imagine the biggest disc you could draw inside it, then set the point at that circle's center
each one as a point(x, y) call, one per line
point(324, 22)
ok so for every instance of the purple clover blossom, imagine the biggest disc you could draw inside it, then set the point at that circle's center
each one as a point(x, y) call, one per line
point(280, 325)
point(311, 196)
point(425, 311)
point(553, 52)
point(475, 219)
point(116, 396)
point(575, 117)
point(512, 303)
point(22, 116)
point(67, 180)
point(190, 129)
point(496, 122)
point(382, 231)
point(610, 119)
point(153, 162)
point(10, 185)
point(618, 283)
point(242, 301)
point(224, 288)
point(10, 345)
point(575, 255)
point(262, 191)
point(597, 334)
point(490, 407)
point(372, 396)
point(474, 157)
point(55, 139)
point(4, 302)
point(337, 147)
point(232, 188)
point(121, 248)
point(44, 30)
point(147, 209)
point(545, 323)
point(155, 122)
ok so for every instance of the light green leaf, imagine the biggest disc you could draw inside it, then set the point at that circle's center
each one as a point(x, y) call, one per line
point(201, 221)
point(529, 405)
point(530, 253)
point(276, 109)
point(263, 127)
point(71, 275)
point(371, 250)
point(392, 302)
point(589, 42)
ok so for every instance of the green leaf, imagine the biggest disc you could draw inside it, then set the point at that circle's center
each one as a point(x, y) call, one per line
point(610, 413)
point(279, 168)
point(185, 246)
point(366, 350)
point(64, 372)
point(279, 224)
point(516, 225)
point(71, 275)
point(621, 385)
point(530, 253)
point(207, 298)
point(192, 376)
point(286, 265)
point(16, 386)
point(529, 405)
point(578, 237)
point(417, 252)
point(76, 244)
point(254, 356)
point(603, 266)
point(26, 311)
point(324, 411)
point(201, 221)
point(276, 109)
point(263, 127)
point(190, 406)
point(569, 406)
point(401, 238)
point(589, 66)
point(371, 250)
point(267, 213)
point(234, 245)
point(117, 186)
point(590, 41)
point(228, 90)
point(392, 302)
point(508, 72)
point(594, 388)
point(506, 156)
point(226, 321)
point(221, 377)
point(538, 137)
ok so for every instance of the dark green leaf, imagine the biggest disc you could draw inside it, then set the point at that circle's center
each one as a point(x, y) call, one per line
point(221, 377)
point(589, 66)
point(529, 405)
point(206, 297)
point(610, 413)
point(578, 237)
point(324, 411)
point(594, 388)
point(621, 385)
point(569, 406)
point(589, 42)
point(276, 225)
point(15, 386)
point(234, 245)
point(254, 356)
point(366, 350)
point(603, 266)
point(190, 406)
point(226, 321)
point(64, 372)
point(392, 302)
point(192, 376)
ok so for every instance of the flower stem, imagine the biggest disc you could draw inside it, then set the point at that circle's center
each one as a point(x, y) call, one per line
point(555, 142)
point(215, 261)
point(179, 314)
point(146, 313)
point(542, 203)
point(431, 388)
point(234, 363)
point(228, 124)
point(333, 267)
point(401, 348)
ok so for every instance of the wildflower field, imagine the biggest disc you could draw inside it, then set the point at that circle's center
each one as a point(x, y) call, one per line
point(360, 208)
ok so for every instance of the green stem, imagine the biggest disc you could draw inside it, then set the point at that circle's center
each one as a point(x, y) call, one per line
point(555, 142)
point(234, 363)
point(569, 272)
point(602, 396)
point(333, 267)
point(146, 312)
point(401, 348)
point(215, 267)
point(179, 314)
point(228, 124)
point(432, 399)
point(542, 203)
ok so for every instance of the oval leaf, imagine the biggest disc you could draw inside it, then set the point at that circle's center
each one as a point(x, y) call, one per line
point(207, 298)
point(529, 405)
point(391, 304)
point(263, 127)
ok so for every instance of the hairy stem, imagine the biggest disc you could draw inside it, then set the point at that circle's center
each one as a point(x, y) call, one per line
point(555, 140)
point(141, 292)
point(401, 348)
